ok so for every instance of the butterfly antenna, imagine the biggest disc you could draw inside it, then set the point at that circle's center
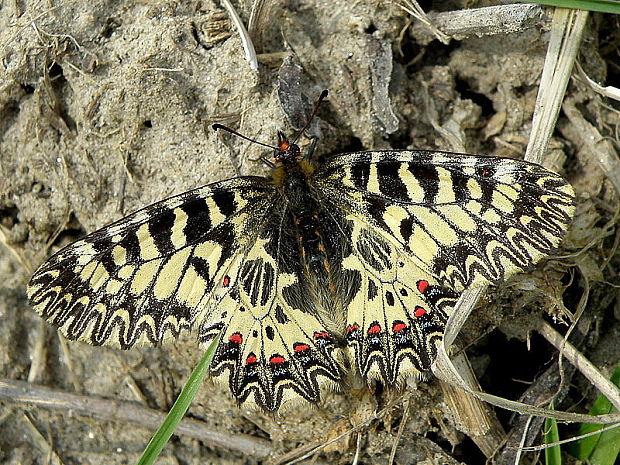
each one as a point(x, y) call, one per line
point(322, 97)
point(217, 126)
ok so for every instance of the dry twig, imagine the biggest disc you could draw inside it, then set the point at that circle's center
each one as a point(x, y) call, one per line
point(125, 411)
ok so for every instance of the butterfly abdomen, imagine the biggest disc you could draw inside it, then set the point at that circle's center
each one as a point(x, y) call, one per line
point(317, 242)
point(310, 238)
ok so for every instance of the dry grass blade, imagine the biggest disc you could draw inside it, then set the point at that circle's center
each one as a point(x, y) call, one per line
point(246, 41)
point(399, 434)
point(414, 9)
point(444, 369)
point(571, 439)
point(262, 12)
point(594, 143)
point(606, 387)
point(606, 91)
point(40, 442)
point(526, 409)
point(566, 32)
point(470, 415)
point(38, 354)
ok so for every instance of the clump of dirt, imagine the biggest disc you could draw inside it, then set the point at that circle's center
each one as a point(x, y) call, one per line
point(107, 107)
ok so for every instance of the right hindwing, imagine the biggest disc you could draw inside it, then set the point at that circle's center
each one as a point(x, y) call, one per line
point(425, 226)
point(276, 349)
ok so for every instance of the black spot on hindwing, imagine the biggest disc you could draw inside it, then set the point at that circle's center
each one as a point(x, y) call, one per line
point(257, 279)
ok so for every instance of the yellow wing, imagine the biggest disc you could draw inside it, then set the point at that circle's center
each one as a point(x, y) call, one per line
point(466, 220)
point(425, 226)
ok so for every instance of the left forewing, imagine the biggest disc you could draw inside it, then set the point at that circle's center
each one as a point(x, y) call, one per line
point(465, 220)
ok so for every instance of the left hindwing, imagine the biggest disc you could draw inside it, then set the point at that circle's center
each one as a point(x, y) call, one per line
point(465, 220)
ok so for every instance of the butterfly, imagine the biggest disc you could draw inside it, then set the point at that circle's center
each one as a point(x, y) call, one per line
point(318, 270)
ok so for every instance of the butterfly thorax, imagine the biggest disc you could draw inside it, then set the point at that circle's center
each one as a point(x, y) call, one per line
point(292, 169)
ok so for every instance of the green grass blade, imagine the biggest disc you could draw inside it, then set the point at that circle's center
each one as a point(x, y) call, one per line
point(553, 455)
point(604, 6)
point(587, 447)
point(607, 448)
point(176, 413)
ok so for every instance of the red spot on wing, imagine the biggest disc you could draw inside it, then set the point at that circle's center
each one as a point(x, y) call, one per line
point(399, 327)
point(322, 335)
point(374, 328)
point(226, 281)
point(298, 347)
point(419, 311)
point(422, 285)
point(275, 359)
point(251, 359)
point(236, 338)
point(353, 327)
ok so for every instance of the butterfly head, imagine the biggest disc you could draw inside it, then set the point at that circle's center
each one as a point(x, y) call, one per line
point(286, 151)
point(289, 167)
